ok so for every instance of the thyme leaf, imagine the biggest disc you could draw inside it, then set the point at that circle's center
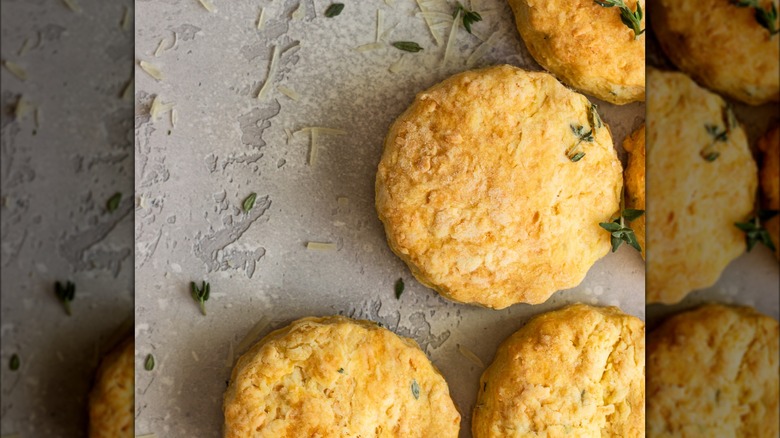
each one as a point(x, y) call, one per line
point(65, 293)
point(201, 295)
point(633, 20)
point(469, 17)
point(755, 232)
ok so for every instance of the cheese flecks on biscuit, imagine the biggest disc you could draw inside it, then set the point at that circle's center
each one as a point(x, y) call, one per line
point(337, 377)
point(492, 185)
point(577, 371)
point(111, 399)
point(701, 179)
point(585, 45)
point(712, 372)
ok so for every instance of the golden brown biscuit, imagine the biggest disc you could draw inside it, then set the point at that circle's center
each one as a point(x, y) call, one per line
point(769, 144)
point(585, 45)
point(713, 372)
point(634, 144)
point(720, 45)
point(702, 179)
point(578, 371)
point(479, 193)
point(111, 399)
point(337, 377)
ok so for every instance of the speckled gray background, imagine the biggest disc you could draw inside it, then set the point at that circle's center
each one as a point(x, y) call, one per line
point(57, 175)
point(192, 178)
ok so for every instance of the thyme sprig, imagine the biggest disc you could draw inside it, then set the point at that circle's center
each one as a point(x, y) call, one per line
point(755, 232)
point(766, 17)
point(65, 293)
point(574, 154)
point(201, 295)
point(469, 17)
point(619, 231)
point(631, 19)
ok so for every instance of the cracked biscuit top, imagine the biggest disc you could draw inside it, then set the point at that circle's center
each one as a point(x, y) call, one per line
point(492, 185)
point(576, 372)
point(337, 377)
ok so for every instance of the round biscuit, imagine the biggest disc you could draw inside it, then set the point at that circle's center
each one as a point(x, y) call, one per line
point(585, 45)
point(722, 46)
point(337, 377)
point(713, 372)
point(478, 196)
point(769, 145)
point(111, 398)
point(634, 144)
point(578, 371)
point(691, 236)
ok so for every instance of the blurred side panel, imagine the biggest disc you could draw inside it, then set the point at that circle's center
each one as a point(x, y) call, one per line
point(67, 199)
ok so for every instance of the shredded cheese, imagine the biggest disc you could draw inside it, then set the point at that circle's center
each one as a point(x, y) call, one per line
point(289, 134)
point(39, 41)
point(342, 201)
point(127, 90)
point(296, 44)
point(175, 40)
point(158, 107)
point(390, 3)
point(468, 354)
point(151, 70)
point(369, 46)
point(396, 66)
point(261, 19)
point(299, 12)
point(288, 92)
point(72, 5)
point(23, 106)
point(323, 130)
point(320, 246)
point(207, 5)
point(451, 38)
point(271, 73)
point(23, 48)
point(434, 15)
point(436, 37)
point(252, 334)
point(387, 32)
point(37, 117)
point(125, 23)
point(174, 117)
point(379, 24)
point(314, 148)
point(195, 356)
point(483, 48)
point(159, 48)
point(15, 69)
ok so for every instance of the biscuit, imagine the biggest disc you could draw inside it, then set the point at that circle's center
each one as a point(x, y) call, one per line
point(585, 45)
point(769, 144)
point(721, 46)
point(112, 396)
point(713, 372)
point(634, 144)
point(702, 179)
point(337, 377)
point(578, 371)
point(479, 194)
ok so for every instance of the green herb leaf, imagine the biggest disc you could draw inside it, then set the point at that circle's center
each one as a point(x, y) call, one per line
point(767, 18)
point(619, 231)
point(201, 295)
point(593, 117)
point(633, 20)
point(149, 362)
point(65, 293)
point(755, 232)
point(469, 17)
point(407, 46)
point(249, 202)
point(415, 390)
point(632, 214)
point(14, 363)
point(579, 131)
point(709, 152)
point(341, 370)
point(334, 9)
point(113, 202)
point(399, 288)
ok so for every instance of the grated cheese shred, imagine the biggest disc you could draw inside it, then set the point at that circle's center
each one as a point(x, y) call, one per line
point(292, 94)
point(159, 48)
point(24, 47)
point(261, 19)
point(207, 5)
point(482, 49)
point(396, 66)
point(271, 74)
point(369, 46)
point(15, 69)
point(253, 333)
point(451, 38)
point(379, 24)
point(151, 70)
point(72, 5)
point(125, 23)
point(436, 37)
point(299, 12)
point(127, 90)
point(321, 246)
point(468, 354)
